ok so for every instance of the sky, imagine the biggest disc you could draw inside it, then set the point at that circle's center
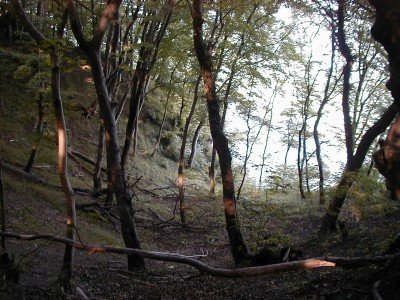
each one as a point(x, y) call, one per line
point(331, 124)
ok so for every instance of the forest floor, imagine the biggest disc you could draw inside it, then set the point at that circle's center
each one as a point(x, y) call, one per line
point(275, 220)
point(280, 221)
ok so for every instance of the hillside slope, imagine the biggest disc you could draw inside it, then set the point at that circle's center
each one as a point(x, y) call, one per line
point(283, 220)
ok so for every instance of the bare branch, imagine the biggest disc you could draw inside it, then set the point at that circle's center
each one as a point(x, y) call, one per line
point(320, 262)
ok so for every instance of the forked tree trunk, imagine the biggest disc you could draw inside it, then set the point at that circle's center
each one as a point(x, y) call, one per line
point(153, 33)
point(238, 247)
point(92, 50)
point(329, 221)
point(384, 31)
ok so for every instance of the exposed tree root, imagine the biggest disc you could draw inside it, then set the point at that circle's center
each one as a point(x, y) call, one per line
point(311, 263)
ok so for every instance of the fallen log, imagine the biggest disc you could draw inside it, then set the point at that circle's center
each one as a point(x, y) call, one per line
point(38, 180)
point(319, 262)
point(84, 158)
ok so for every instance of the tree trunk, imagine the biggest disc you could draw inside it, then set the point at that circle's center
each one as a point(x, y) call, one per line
point(384, 31)
point(346, 53)
point(66, 270)
point(300, 164)
point(157, 145)
point(238, 247)
point(194, 143)
point(117, 176)
point(3, 214)
point(318, 119)
point(153, 33)
point(38, 130)
point(181, 178)
point(99, 159)
point(329, 221)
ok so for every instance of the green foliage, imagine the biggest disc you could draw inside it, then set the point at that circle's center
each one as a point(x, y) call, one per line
point(24, 72)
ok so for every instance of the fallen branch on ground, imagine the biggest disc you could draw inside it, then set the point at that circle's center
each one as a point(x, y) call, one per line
point(206, 269)
point(38, 180)
point(84, 158)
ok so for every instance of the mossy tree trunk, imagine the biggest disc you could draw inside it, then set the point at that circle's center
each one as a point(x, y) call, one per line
point(384, 31)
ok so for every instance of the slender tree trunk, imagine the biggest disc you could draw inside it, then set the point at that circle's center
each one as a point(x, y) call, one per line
point(66, 270)
point(194, 143)
point(318, 119)
point(181, 178)
point(238, 247)
point(157, 145)
point(38, 134)
point(153, 33)
point(99, 159)
point(346, 53)
point(300, 164)
point(266, 141)
point(3, 209)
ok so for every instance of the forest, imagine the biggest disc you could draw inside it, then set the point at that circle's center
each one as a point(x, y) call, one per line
point(200, 149)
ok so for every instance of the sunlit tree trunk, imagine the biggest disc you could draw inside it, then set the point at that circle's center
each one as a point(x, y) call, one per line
point(238, 247)
point(66, 270)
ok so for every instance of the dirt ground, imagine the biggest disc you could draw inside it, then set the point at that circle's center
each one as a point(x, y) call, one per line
point(104, 276)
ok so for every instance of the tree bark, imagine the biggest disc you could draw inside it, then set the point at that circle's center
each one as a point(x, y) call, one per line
point(181, 177)
point(318, 119)
point(3, 212)
point(38, 130)
point(99, 159)
point(117, 176)
point(66, 269)
point(238, 247)
point(194, 143)
point(152, 34)
point(346, 53)
point(329, 221)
